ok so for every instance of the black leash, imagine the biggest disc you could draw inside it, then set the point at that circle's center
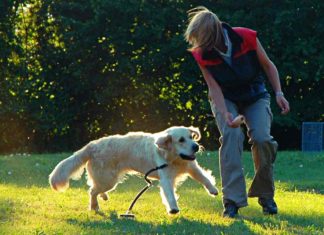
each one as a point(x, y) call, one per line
point(149, 184)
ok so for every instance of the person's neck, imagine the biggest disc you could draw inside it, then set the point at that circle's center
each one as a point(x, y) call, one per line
point(222, 47)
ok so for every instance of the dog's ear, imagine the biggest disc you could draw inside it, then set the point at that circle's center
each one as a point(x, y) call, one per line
point(195, 133)
point(164, 142)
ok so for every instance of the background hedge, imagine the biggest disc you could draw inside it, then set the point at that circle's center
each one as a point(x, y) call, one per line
point(72, 71)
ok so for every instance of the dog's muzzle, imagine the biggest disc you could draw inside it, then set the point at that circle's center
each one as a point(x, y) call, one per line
point(195, 148)
point(186, 157)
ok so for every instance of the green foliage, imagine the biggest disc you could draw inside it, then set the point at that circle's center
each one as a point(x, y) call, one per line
point(74, 70)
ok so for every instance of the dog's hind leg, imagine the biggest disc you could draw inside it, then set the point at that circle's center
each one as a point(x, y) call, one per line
point(101, 185)
point(106, 187)
point(93, 199)
point(104, 196)
point(100, 180)
point(94, 192)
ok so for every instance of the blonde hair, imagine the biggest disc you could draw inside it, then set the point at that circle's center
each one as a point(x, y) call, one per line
point(204, 29)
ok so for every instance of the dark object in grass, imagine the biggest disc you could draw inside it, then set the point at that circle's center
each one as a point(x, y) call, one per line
point(127, 216)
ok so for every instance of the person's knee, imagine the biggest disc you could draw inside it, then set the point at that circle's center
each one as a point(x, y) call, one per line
point(260, 139)
point(264, 146)
point(233, 134)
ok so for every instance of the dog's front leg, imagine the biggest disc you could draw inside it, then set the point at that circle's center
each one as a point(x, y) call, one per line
point(168, 194)
point(204, 177)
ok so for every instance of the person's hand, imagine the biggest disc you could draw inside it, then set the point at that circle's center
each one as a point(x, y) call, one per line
point(283, 104)
point(231, 122)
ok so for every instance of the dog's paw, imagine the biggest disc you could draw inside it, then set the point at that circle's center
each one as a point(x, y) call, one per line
point(104, 196)
point(174, 211)
point(213, 191)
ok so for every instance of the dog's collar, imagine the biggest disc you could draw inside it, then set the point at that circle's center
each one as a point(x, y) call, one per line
point(185, 157)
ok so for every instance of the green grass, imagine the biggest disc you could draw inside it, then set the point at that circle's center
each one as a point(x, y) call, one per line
point(29, 206)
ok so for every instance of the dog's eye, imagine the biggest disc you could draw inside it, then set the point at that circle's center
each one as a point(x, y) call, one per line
point(181, 140)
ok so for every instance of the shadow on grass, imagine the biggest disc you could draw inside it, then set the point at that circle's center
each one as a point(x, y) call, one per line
point(314, 222)
point(284, 221)
point(114, 224)
point(294, 222)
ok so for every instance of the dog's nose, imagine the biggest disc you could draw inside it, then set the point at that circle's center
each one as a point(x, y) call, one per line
point(195, 147)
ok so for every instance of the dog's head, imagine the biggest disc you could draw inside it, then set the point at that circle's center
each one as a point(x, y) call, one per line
point(180, 141)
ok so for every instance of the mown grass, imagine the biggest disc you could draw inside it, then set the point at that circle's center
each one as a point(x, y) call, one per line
point(29, 206)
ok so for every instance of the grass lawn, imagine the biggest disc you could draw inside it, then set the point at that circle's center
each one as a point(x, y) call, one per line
point(29, 206)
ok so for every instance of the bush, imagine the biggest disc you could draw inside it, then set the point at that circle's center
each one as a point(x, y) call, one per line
point(72, 71)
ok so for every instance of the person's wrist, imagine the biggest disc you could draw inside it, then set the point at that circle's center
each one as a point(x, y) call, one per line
point(279, 94)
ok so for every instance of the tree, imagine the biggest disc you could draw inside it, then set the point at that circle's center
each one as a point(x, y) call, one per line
point(72, 71)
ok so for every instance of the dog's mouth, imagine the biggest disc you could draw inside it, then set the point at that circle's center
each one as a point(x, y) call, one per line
point(187, 157)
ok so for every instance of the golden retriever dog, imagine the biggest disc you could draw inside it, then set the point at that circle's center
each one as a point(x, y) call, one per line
point(108, 159)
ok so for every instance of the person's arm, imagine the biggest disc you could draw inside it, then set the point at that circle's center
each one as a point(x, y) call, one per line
point(272, 73)
point(216, 96)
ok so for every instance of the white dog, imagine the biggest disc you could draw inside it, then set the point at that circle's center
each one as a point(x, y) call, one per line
point(108, 159)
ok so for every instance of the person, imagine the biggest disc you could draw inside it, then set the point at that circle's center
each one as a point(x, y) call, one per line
point(234, 66)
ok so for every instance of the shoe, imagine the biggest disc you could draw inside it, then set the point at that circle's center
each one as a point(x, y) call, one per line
point(231, 210)
point(269, 206)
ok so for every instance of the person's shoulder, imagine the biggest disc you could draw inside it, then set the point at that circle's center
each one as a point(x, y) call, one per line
point(242, 31)
point(197, 54)
point(249, 37)
point(196, 50)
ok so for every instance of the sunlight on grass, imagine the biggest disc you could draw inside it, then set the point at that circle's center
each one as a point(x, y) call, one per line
point(29, 206)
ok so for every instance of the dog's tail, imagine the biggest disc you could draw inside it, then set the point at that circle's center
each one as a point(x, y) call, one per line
point(71, 167)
